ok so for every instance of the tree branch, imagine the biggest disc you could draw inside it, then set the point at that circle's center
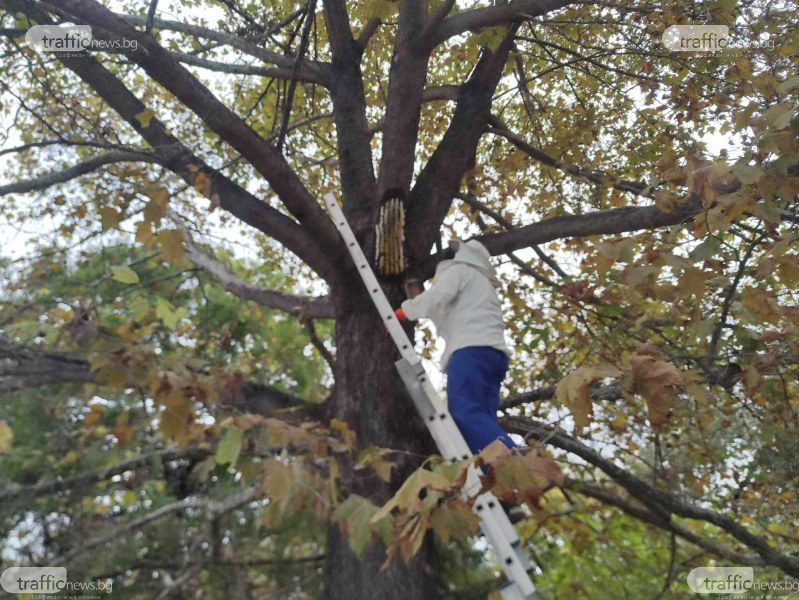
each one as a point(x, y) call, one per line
point(475, 203)
point(499, 14)
point(180, 160)
point(214, 508)
point(658, 501)
point(406, 80)
point(499, 128)
point(23, 367)
point(82, 480)
point(606, 497)
point(440, 178)
point(314, 308)
point(87, 166)
point(158, 64)
point(353, 137)
point(311, 72)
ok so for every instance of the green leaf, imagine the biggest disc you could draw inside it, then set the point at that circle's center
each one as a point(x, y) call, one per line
point(124, 275)
point(229, 447)
point(353, 517)
point(748, 174)
point(168, 314)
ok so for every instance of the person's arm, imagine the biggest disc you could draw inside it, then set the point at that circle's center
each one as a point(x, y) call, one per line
point(440, 294)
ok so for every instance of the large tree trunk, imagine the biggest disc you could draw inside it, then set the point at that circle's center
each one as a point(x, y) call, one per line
point(371, 398)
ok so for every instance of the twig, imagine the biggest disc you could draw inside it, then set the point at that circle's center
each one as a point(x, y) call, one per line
point(306, 33)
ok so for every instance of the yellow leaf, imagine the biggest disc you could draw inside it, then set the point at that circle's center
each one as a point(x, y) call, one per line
point(454, 520)
point(177, 417)
point(109, 217)
point(144, 233)
point(145, 117)
point(229, 447)
point(202, 183)
point(692, 281)
point(6, 437)
point(171, 241)
point(353, 518)
point(574, 393)
point(155, 209)
point(760, 303)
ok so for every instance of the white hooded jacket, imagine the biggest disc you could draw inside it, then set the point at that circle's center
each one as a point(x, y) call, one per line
point(463, 302)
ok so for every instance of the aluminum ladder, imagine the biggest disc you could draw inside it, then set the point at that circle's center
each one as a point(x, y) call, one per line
point(496, 526)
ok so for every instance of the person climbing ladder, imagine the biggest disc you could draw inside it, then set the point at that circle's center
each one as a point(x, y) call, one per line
point(465, 308)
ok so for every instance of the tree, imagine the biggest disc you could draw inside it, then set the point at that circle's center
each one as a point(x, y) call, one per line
point(660, 314)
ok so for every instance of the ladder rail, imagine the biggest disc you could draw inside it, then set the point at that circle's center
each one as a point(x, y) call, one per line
point(496, 526)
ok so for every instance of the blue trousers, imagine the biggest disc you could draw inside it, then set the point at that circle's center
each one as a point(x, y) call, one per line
point(474, 375)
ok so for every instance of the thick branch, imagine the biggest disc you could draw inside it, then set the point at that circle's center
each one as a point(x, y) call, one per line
point(23, 367)
point(164, 69)
point(311, 72)
point(180, 160)
point(87, 166)
point(639, 512)
point(660, 502)
point(440, 178)
point(353, 137)
point(604, 222)
point(234, 69)
point(406, 80)
point(499, 14)
point(314, 308)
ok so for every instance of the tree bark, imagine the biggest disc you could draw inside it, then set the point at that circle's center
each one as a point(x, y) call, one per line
point(371, 398)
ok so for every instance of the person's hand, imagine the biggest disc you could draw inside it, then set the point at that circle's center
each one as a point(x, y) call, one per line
point(413, 287)
point(400, 315)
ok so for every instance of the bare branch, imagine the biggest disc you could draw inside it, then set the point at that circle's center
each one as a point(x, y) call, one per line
point(234, 69)
point(499, 14)
point(475, 203)
point(212, 507)
point(298, 60)
point(662, 503)
point(440, 178)
point(353, 137)
point(82, 168)
point(314, 308)
point(604, 222)
point(312, 72)
point(499, 128)
point(162, 68)
point(639, 512)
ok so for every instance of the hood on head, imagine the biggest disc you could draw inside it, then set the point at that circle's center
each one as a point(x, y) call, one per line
point(475, 254)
